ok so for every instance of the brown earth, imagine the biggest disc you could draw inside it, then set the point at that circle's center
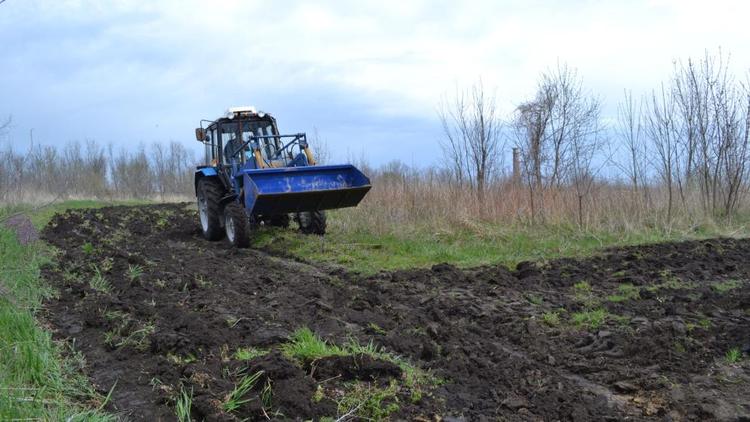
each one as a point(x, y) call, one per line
point(506, 344)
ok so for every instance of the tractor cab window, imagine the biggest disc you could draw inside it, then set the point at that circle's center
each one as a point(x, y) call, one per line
point(230, 140)
point(268, 146)
point(212, 146)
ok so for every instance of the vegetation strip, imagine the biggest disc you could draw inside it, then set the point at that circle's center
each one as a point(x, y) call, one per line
point(40, 379)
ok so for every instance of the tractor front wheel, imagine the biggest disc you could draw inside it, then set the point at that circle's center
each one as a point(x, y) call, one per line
point(209, 195)
point(237, 225)
point(312, 222)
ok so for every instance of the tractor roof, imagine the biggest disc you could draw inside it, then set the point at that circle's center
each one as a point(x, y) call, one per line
point(239, 111)
point(242, 113)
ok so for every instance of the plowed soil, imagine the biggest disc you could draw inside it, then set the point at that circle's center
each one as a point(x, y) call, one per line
point(639, 333)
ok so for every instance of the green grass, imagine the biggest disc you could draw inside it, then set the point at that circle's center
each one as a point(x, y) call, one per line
point(305, 346)
point(625, 292)
point(551, 318)
point(134, 272)
point(592, 319)
point(733, 355)
point(362, 250)
point(183, 405)
point(248, 353)
point(236, 397)
point(99, 282)
point(727, 285)
point(582, 287)
point(370, 402)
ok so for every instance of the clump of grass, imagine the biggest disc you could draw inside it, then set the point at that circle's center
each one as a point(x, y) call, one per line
point(304, 345)
point(319, 394)
point(671, 281)
point(370, 402)
point(376, 328)
point(726, 286)
point(99, 282)
point(592, 319)
point(248, 353)
point(134, 272)
point(87, 248)
point(625, 292)
point(181, 360)
point(235, 398)
point(584, 293)
point(733, 355)
point(582, 287)
point(551, 318)
point(266, 394)
point(352, 347)
point(126, 331)
point(183, 405)
point(535, 299)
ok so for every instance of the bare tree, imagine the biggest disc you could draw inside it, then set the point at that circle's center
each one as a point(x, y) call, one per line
point(660, 126)
point(529, 126)
point(559, 135)
point(711, 121)
point(320, 147)
point(585, 143)
point(630, 131)
point(473, 141)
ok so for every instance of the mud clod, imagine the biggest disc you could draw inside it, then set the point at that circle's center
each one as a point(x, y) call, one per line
point(359, 367)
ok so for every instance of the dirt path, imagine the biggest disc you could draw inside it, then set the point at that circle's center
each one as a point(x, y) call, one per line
point(560, 340)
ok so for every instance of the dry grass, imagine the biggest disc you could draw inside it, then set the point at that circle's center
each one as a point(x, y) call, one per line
point(399, 203)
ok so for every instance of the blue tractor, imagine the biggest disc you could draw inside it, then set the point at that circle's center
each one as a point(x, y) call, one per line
point(253, 175)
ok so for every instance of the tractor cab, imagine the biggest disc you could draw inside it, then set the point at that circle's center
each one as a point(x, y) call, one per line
point(251, 140)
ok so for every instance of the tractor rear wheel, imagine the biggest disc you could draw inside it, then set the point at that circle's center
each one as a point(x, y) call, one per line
point(312, 222)
point(209, 195)
point(237, 225)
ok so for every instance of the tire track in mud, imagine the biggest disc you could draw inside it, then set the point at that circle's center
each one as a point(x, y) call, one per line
point(482, 330)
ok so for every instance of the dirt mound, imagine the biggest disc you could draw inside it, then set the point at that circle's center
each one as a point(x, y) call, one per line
point(646, 333)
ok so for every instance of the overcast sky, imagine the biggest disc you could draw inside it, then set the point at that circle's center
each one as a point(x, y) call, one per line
point(367, 74)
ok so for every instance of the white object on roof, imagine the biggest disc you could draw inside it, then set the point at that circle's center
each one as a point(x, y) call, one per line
point(234, 111)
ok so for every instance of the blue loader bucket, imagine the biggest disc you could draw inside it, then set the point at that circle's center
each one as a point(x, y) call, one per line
point(294, 189)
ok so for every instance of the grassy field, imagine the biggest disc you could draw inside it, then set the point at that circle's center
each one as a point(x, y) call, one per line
point(40, 379)
point(349, 243)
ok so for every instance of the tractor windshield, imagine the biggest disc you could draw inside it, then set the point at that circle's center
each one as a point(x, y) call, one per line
point(234, 135)
point(268, 146)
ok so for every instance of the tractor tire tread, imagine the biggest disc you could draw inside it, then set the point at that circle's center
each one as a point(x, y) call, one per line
point(213, 191)
point(312, 222)
point(242, 226)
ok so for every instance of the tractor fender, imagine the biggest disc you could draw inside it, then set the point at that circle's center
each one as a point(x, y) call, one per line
point(212, 173)
point(204, 172)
